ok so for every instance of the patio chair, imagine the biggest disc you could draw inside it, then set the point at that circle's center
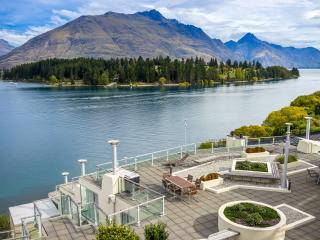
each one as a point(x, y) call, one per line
point(190, 178)
point(174, 189)
point(198, 183)
point(312, 174)
point(192, 192)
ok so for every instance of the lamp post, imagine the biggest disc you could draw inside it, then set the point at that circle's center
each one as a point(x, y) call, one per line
point(308, 127)
point(185, 135)
point(286, 156)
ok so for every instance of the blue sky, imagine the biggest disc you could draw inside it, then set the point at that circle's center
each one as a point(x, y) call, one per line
point(287, 22)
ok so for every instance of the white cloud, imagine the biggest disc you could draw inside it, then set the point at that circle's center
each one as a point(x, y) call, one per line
point(17, 39)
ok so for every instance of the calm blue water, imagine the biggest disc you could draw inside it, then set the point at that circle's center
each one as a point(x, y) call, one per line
point(45, 130)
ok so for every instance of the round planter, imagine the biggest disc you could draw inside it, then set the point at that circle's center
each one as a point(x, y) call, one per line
point(276, 232)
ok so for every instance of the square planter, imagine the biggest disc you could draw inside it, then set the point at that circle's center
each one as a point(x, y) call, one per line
point(290, 165)
point(255, 155)
point(211, 183)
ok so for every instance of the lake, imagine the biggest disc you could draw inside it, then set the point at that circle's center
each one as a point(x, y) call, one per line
point(44, 130)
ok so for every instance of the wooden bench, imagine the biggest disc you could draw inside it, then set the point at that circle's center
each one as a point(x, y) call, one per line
point(226, 234)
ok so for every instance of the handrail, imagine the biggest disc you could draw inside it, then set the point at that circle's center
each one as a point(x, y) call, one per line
point(136, 206)
point(139, 185)
point(181, 148)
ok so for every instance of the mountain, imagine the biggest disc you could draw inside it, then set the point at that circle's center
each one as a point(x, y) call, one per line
point(146, 34)
point(249, 47)
point(5, 47)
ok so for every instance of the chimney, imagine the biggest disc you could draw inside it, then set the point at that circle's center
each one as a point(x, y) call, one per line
point(83, 166)
point(65, 175)
point(308, 127)
point(114, 144)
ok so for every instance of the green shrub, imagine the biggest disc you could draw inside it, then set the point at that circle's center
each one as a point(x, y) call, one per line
point(255, 150)
point(252, 166)
point(116, 232)
point(4, 223)
point(216, 144)
point(254, 131)
point(184, 84)
point(252, 215)
point(156, 232)
point(291, 158)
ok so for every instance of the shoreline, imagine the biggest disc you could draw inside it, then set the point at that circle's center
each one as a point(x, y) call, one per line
point(148, 85)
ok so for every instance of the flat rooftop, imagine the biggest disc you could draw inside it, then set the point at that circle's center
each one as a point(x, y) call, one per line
point(197, 218)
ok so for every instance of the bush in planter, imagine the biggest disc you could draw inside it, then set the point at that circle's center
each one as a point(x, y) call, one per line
point(210, 176)
point(252, 166)
point(255, 150)
point(4, 223)
point(250, 214)
point(291, 158)
point(116, 232)
point(156, 231)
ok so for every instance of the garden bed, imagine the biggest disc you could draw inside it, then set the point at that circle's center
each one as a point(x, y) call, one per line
point(253, 220)
point(249, 214)
point(251, 166)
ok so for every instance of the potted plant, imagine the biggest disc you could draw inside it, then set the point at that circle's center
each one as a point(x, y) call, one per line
point(255, 152)
point(210, 180)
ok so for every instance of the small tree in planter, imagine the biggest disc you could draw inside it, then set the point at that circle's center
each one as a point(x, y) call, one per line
point(116, 232)
point(156, 232)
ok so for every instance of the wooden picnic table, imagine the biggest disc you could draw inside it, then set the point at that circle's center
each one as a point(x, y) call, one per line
point(180, 182)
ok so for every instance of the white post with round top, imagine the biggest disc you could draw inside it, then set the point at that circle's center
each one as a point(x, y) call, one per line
point(65, 175)
point(114, 144)
point(83, 166)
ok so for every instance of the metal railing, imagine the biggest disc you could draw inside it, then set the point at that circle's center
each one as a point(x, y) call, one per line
point(137, 214)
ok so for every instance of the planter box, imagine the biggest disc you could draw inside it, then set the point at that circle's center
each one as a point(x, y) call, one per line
point(211, 183)
point(234, 170)
point(276, 232)
point(256, 155)
point(290, 165)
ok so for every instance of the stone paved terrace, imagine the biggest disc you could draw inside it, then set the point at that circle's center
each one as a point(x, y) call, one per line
point(196, 219)
point(61, 228)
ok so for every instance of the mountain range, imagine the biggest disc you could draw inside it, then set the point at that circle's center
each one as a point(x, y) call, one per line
point(249, 47)
point(149, 34)
point(5, 47)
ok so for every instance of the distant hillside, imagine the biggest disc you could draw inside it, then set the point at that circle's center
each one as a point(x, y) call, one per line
point(147, 34)
point(5, 47)
point(250, 48)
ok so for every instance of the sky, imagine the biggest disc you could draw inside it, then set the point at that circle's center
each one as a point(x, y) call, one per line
point(286, 22)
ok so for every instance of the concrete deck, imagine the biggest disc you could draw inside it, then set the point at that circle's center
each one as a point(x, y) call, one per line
point(196, 219)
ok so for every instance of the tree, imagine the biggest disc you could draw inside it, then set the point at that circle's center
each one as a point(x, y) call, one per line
point(162, 81)
point(254, 131)
point(116, 232)
point(278, 119)
point(53, 79)
point(104, 79)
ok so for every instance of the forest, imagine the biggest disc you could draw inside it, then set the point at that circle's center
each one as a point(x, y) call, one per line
point(192, 71)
